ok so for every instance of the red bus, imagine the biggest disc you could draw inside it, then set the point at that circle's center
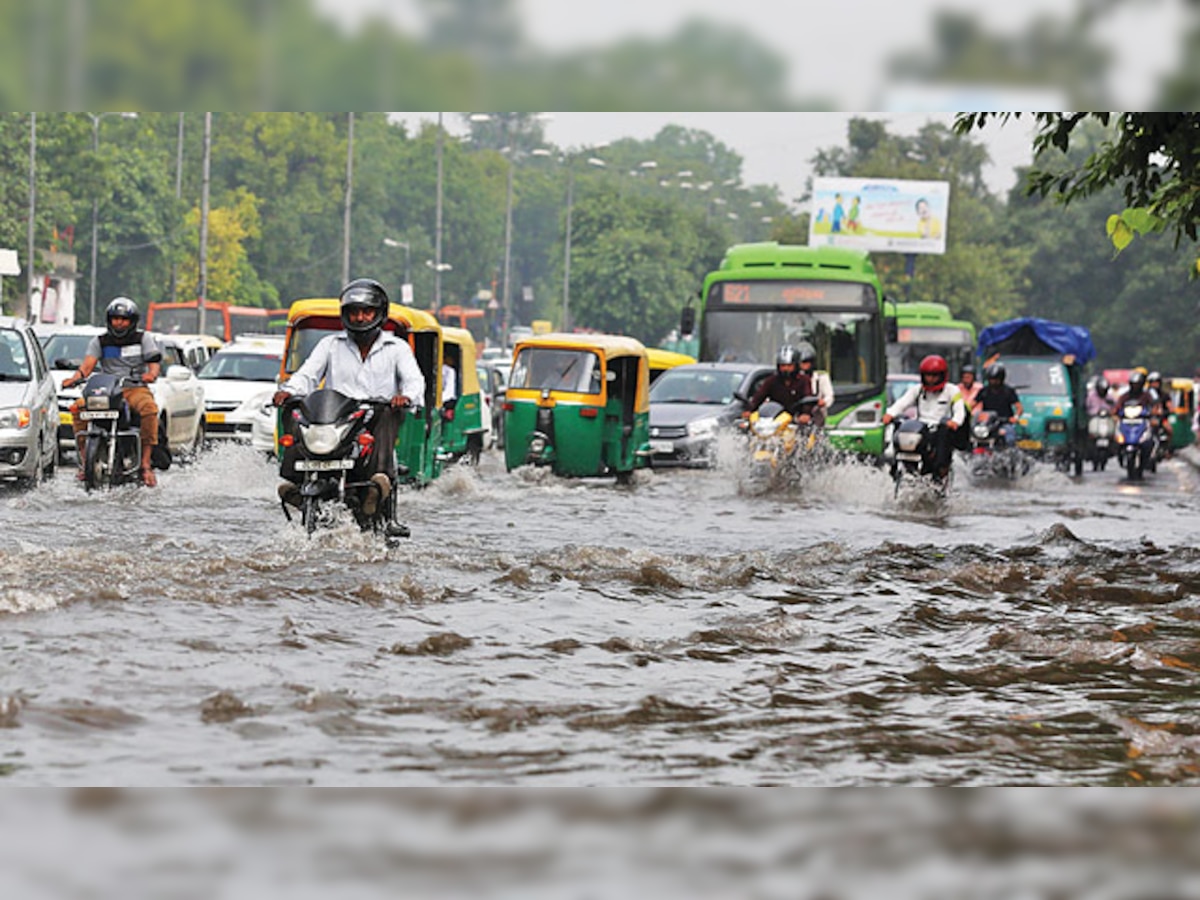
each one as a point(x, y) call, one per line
point(221, 320)
point(473, 320)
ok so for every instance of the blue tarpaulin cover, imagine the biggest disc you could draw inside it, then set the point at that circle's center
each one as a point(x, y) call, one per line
point(1036, 337)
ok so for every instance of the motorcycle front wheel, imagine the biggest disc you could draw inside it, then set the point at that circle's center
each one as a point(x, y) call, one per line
point(308, 514)
point(95, 464)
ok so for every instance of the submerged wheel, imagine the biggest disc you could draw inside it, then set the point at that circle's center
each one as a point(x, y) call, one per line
point(95, 463)
point(308, 514)
point(39, 468)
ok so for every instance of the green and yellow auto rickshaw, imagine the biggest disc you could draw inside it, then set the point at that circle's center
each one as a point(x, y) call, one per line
point(420, 433)
point(463, 427)
point(661, 360)
point(1181, 406)
point(579, 404)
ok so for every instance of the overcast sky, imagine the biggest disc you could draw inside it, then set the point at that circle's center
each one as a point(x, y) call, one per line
point(776, 147)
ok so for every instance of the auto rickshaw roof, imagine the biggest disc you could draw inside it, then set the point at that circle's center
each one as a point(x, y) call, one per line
point(667, 359)
point(325, 307)
point(611, 345)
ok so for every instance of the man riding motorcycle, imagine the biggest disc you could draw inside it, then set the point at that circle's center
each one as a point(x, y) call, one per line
point(365, 363)
point(1154, 385)
point(938, 404)
point(1000, 400)
point(1099, 400)
point(788, 387)
point(125, 352)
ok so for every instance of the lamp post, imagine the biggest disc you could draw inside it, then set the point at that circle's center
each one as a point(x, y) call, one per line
point(437, 230)
point(389, 242)
point(591, 161)
point(96, 117)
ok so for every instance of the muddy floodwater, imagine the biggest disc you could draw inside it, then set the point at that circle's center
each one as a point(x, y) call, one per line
point(536, 631)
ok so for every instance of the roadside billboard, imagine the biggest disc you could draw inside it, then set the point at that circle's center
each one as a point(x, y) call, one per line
point(889, 215)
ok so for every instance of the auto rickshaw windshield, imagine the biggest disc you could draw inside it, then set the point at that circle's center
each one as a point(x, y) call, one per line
point(556, 369)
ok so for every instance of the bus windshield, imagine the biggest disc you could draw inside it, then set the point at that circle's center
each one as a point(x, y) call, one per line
point(845, 342)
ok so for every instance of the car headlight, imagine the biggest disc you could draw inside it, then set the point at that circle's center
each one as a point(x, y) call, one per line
point(17, 417)
point(703, 427)
point(323, 439)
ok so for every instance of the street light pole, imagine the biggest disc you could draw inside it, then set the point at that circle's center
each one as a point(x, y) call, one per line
point(96, 117)
point(32, 213)
point(437, 231)
point(507, 252)
point(202, 284)
point(349, 190)
point(566, 311)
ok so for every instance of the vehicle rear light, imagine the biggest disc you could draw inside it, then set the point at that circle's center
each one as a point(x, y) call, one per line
point(508, 407)
point(588, 412)
point(448, 414)
point(287, 440)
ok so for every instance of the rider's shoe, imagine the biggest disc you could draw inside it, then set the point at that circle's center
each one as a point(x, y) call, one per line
point(379, 490)
point(289, 493)
point(396, 530)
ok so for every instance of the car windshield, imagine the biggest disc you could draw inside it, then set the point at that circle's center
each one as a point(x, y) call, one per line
point(711, 386)
point(1035, 376)
point(14, 360)
point(242, 366)
point(70, 348)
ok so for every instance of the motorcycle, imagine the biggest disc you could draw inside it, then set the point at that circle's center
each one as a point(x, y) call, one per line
point(991, 454)
point(779, 446)
point(1101, 430)
point(327, 445)
point(914, 454)
point(112, 450)
point(1135, 440)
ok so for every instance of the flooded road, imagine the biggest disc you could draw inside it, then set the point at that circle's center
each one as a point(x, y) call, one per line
point(542, 632)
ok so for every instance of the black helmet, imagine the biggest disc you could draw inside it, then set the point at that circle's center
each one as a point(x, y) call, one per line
point(787, 356)
point(807, 352)
point(122, 308)
point(997, 371)
point(364, 293)
point(1137, 381)
point(968, 369)
point(1101, 385)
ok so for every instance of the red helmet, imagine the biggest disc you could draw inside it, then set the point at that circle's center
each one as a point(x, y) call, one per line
point(934, 372)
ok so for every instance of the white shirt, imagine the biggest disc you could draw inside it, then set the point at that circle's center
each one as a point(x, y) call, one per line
point(823, 387)
point(389, 369)
point(932, 406)
point(449, 391)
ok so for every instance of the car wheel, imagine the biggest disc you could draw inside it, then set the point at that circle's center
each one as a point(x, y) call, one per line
point(192, 453)
point(39, 469)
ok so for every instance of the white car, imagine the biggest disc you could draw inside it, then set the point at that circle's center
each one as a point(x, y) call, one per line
point(239, 381)
point(178, 393)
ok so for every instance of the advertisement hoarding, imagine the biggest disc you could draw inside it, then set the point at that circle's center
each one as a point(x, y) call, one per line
point(888, 215)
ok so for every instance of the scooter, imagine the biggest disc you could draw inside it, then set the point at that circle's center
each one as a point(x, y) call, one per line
point(1102, 430)
point(326, 446)
point(1135, 440)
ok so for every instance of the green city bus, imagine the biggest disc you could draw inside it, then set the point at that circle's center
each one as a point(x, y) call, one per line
point(915, 330)
point(768, 294)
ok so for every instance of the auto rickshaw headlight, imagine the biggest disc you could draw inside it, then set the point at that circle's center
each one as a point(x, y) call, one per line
point(1056, 426)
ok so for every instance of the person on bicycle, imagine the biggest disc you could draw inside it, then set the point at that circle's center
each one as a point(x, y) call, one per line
point(366, 363)
point(126, 352)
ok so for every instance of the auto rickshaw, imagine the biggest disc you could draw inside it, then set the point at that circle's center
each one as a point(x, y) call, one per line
point(463, 428)
point(1181, 402)
point(661, 360)
point(420, 432)
point(579, 404)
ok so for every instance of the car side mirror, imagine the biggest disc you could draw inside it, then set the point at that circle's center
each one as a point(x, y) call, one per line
point(610, 375)
point(178, 373)
point(740, 396)
point(893, 330)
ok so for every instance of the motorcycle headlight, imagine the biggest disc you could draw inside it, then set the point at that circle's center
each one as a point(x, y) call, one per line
point(97, 403)
point(703, 427)
point(323, 439)
point(908, 441)
point(537, 444)
point(980, 431)
point(764, 427)
point(18, 417)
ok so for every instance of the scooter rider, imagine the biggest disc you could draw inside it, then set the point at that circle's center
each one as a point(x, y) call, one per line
point(937, 402)
point(1099, 400)
point(822, 387)
point(1000, 400)
point(787, 387)
point(365, 363)
point(125, 351)
point(1154, 385)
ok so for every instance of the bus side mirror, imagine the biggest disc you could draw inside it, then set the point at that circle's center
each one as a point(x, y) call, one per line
point(687, 320)
point(893, 330)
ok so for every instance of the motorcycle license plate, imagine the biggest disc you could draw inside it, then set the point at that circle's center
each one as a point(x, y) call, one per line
point(85, 415)
point(323, 465)
point(908, 457)
point(1102, 442)
point(1029, 445)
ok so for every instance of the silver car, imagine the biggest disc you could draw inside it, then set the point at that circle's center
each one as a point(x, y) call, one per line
point(28, 406)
